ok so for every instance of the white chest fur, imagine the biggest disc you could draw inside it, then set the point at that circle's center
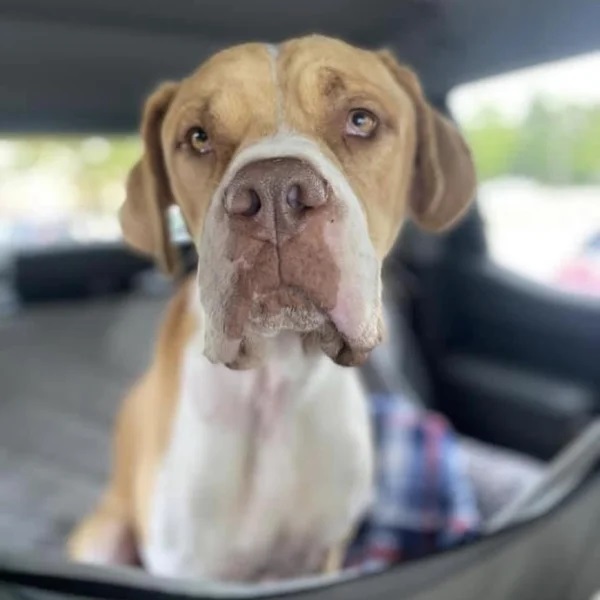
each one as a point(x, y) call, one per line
point(266, 470)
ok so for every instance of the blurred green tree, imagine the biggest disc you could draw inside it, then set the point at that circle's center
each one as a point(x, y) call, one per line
point(94, 163)
point(556, 145)
point(493, 142)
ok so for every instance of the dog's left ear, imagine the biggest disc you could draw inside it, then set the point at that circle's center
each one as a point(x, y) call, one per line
point(143, 215)
point(444, 180)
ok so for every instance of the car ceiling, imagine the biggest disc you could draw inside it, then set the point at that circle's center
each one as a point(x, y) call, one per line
point(75, 65)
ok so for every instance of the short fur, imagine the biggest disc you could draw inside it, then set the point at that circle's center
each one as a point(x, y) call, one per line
point(265, 472)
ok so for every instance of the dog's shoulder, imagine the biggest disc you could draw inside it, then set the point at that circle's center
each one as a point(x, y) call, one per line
point(179, 323)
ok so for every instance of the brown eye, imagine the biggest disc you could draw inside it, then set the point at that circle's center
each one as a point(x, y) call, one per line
point(198, 140)
point(361, 123)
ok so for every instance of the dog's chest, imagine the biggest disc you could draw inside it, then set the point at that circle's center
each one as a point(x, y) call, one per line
point(266, 471)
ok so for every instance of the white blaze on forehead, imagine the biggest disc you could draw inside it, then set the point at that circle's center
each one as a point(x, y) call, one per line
point(273, 51)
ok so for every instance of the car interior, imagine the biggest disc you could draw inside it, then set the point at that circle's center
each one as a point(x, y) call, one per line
point(512, 363)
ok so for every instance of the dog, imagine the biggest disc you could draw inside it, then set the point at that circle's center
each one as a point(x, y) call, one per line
point(244, 453)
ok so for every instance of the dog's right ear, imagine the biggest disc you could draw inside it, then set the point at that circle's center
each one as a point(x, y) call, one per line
point(143, 215)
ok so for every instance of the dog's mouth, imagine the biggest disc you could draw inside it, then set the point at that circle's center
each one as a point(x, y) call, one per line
point(286, 308)
point(337, 324)
point(290, 308)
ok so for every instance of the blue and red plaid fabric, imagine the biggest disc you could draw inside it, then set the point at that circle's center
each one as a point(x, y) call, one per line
point(424, 500)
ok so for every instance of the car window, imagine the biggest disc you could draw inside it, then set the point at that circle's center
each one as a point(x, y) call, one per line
point(57, 190)
point(535, 136)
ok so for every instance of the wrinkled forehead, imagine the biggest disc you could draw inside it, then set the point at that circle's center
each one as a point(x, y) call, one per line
point(255, 90)
point(225, 89)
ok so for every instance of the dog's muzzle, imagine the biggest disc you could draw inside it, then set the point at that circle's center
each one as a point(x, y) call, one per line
point(279, 255)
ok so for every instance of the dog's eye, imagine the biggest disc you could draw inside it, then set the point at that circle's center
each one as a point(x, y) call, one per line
point(198, 141)
point(361, 123)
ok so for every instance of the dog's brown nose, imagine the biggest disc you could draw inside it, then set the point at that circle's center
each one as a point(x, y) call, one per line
point(276, 193)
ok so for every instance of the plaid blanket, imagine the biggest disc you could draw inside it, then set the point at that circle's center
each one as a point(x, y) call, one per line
point(424, 501)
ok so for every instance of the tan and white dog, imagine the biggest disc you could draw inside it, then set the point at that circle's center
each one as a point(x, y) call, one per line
point(244, 452)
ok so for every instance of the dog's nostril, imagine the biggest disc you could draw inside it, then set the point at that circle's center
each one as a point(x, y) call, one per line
point(253, 204)
point(294, 197)
point(242, 202)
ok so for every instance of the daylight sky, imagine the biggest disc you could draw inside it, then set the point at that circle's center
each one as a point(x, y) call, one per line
point(574, 81)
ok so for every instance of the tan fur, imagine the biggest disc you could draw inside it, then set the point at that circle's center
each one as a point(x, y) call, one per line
point(144, 216)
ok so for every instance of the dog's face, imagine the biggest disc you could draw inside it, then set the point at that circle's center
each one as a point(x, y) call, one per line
point(294, 168)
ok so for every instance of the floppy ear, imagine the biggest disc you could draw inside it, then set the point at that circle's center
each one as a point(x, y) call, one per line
point(444, 180)
point(143, 215)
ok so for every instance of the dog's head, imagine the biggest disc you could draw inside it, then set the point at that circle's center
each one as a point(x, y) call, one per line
point(294, 168)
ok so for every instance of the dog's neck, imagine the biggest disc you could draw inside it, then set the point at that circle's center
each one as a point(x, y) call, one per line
point(266, 394)
point(286, 355)
point(263, 402)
